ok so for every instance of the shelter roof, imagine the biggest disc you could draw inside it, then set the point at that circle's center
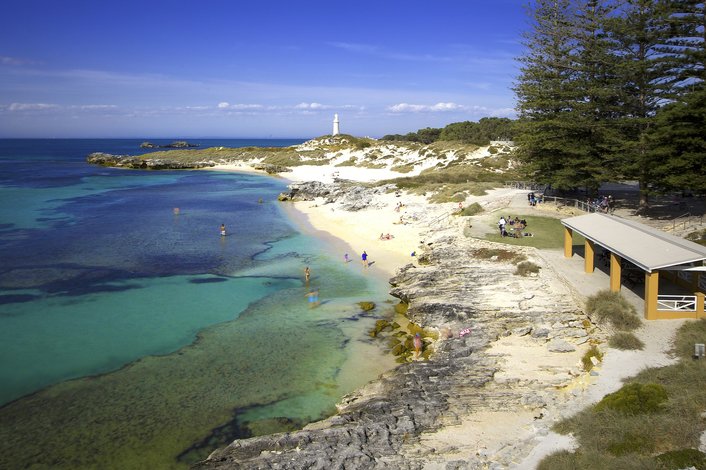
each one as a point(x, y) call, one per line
point(646, 247)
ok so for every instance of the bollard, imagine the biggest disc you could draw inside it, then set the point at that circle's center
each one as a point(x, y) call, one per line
point(699, 350)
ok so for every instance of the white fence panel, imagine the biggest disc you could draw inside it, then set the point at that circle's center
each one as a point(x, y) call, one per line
point(676, 303)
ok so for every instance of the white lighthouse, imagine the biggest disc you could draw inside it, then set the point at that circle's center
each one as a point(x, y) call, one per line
point(336, 130)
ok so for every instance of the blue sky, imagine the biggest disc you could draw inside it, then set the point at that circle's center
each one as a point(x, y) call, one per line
point(216, 68)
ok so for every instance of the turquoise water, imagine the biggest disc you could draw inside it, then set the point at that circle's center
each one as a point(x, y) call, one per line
point(146, 334)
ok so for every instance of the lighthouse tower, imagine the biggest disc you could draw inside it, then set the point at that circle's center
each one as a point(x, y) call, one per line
point(336, 130)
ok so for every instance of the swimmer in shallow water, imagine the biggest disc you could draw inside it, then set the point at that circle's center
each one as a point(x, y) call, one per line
point(223, 230)
point(313, 298)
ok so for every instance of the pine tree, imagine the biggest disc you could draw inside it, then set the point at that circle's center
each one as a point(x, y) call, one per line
point(678, 140)
point(544, 92)
point(657, 43)
point(637, 33)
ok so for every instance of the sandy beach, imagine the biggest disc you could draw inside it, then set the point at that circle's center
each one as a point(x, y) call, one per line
point(521, 436)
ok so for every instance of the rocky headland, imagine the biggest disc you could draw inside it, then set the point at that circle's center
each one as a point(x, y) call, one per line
point(139, 163)
point(177, 144)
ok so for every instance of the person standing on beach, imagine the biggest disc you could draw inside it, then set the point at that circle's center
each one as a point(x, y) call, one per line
point(223, 230)
point(364, 258)
point(307, 274)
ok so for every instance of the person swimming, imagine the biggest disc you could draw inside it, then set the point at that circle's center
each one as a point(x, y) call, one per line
point(223, 230)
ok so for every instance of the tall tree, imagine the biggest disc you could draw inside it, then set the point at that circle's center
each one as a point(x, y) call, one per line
point(678, 140)
point(638, 33)
point(660, 52)
point(597, 101)
point(545, 95)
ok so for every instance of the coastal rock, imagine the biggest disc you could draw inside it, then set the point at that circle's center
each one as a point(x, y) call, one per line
point(305, 191)
point(130, 161)
point(178, 144)
point(560, 345)
point(271, 169)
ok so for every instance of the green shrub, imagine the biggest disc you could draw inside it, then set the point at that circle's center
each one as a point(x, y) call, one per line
point(634, 399)
point(593, 460)
point(624, 340)
point(526, 268)
point(631, 443)
point(612, 307)
point(593, 351)
point(683, 458)
point(688, 335)
point(473, 209)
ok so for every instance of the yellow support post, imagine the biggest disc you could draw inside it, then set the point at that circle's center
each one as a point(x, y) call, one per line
point(615, 273)
point(651, 293)
point(568, 242)
point(700, 305)
point(590, 256)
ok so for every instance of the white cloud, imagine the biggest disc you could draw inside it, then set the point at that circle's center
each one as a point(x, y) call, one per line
point(312, 106)
point(423, 108)
point(239, 107)
point(94, 107)
point(446, 107)
point(31, 106)
point(5, 60)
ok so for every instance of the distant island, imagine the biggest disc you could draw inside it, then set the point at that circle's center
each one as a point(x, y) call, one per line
point(177, 144)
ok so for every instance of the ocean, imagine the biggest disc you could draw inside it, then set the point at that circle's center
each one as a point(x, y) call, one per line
point(133, 335)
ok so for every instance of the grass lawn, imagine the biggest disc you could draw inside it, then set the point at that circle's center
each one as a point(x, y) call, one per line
point(547, 232)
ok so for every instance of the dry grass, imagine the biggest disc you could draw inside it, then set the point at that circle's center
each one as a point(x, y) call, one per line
point(611, 307)
point(526, 268)
point(625, 341)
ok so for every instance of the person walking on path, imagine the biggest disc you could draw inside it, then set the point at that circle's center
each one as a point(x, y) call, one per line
point(501, 225)
point(364, 258)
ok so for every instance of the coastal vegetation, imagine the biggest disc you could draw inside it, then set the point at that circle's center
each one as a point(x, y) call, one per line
point(653, 422)
point(479, 133)
point(625, 340)
point(612, 91)
point(611, 307)
point(498, 254)
point(473, 209)
point(526, 268)
point(591, 357)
